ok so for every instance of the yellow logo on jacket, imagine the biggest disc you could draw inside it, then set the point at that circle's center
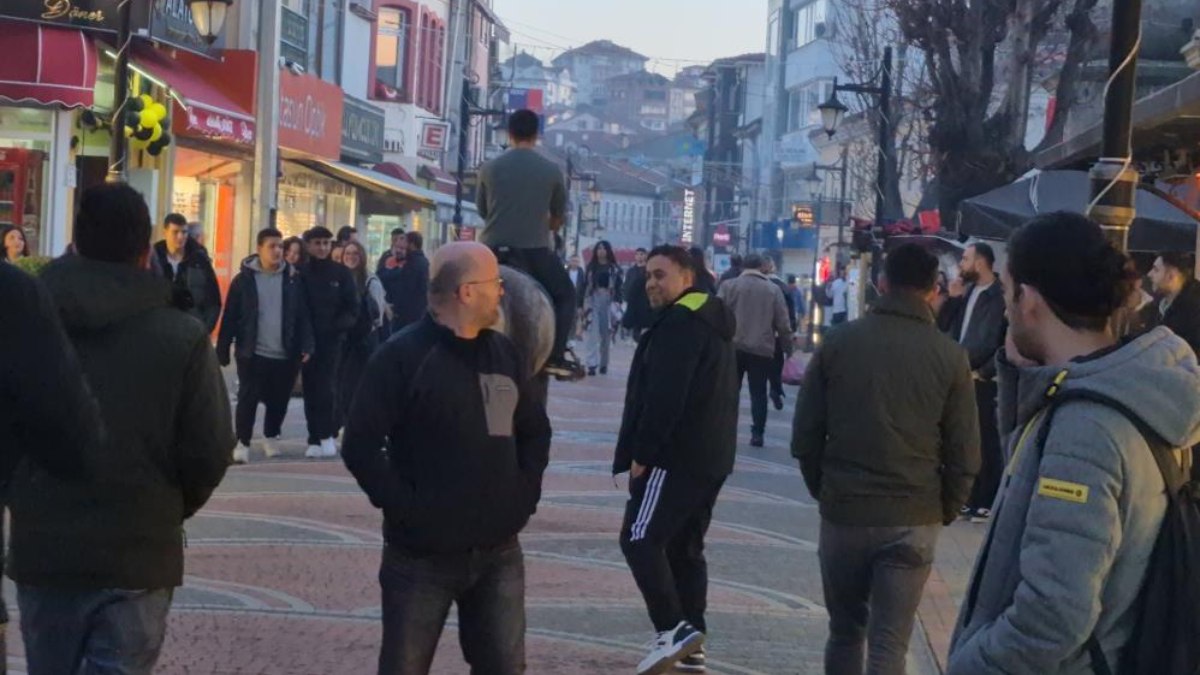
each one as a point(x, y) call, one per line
point(1064, 490)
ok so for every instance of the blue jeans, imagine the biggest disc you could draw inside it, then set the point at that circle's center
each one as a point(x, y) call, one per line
point(82, 632)
point(487, 585)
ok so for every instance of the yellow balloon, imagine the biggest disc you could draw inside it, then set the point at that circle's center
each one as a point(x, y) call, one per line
point(146, 119)
point(157, 133)
point(138, 144)
point(147, 101)
point(159, 110)
point(128, 132)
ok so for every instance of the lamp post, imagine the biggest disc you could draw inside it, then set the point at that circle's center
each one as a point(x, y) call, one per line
point(208, 16)
point(594, 199)
point(467, 109)
point(833, 110)
point(841, 169)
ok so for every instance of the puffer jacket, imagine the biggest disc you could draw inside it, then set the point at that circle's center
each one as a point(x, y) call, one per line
point(195, 282)
point(1058, 569)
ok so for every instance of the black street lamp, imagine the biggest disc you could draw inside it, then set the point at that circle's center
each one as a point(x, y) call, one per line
point(467, 109)
point(208, 16)
point(833, 110)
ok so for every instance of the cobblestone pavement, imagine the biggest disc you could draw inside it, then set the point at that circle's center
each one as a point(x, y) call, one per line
point(282, 564)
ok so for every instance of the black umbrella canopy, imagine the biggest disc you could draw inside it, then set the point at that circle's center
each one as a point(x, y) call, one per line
point(1159, 225)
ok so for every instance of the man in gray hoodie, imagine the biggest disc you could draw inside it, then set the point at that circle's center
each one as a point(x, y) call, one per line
point(1074, 525)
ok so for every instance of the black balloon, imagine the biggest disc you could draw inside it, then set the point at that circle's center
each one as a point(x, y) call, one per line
point(133, 119)
point(155, 149)
point(135, 104)
point(165, 139)
point(143, 134)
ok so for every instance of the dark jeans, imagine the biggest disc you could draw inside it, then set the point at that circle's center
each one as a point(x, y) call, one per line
point(873, 578)
point(759, 369)
point(662, 537)
point(320, 379)
point(991, 467)
point(350, 372)
point(839, 318)
point(487, 585)
point(98, 632)
point(266, 381)
point(543, 265)
point(776, 375)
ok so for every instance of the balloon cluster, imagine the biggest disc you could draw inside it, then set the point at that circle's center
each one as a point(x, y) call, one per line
point(146, 125)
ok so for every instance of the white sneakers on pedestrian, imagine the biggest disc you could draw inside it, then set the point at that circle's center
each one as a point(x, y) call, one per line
point(695, 663)
point(241, 454)
point(668, 647)
point(314, 452)
point(329, 448)
point(270, 447)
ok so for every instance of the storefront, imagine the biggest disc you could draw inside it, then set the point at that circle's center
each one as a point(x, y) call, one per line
point(310, 130)
point(39, 96)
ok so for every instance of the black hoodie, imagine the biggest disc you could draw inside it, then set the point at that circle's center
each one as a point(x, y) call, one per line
point(681, 405)
point(195, 284)
point(333, 300)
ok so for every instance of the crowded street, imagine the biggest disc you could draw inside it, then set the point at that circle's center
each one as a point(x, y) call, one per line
point(282, 563)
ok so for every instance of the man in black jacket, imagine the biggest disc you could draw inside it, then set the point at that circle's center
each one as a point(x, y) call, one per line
point(975, 313)
point(638, 314)
point(887, 440)
point(47, 412)
point(678, 438)
point(267, 323)
point(333, 305)
point(407, 287)
point(1174, 280)
point(183, 261)
point(96, 561)
point(466, 442)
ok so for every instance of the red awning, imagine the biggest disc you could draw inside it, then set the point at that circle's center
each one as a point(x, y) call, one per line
point(395, 171)
point(441, 181)
point(47, 65)
point(211, 112)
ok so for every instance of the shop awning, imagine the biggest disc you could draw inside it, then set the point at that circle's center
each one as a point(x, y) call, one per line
point(442, 181)
point(47, 65)
point(373, 181)
point(191, 87)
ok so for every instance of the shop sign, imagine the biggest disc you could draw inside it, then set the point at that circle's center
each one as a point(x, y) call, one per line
point(688, 235)
point(217, 126)
point(171, 23)
point(433, 140)
point(310, 115)
point(362, 130)
point(721, 236)
point(84, 14)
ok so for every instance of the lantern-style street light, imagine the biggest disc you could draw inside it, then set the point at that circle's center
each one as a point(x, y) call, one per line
point(208, 16)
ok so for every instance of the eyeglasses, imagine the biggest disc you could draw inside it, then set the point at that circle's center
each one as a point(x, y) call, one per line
point(499, 281)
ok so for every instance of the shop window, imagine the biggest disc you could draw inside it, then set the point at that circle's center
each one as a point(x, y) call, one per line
point(391, 52)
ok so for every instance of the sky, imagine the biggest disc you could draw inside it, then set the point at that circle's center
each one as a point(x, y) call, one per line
point(673, 33)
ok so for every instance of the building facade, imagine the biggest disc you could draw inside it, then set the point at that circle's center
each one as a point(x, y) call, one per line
point(593, 64)
point(525, 71)
point(641, 98)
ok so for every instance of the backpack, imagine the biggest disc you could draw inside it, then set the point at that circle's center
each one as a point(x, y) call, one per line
point(1166, 638)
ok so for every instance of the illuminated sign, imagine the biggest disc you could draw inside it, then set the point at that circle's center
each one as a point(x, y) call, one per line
point(688, 235)
point(802, 215)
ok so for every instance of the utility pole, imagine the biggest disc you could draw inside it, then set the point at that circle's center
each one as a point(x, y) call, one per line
point(464, 123)
point(266, 147)
point(118, 148)
point(886, 142)
point(1114, 182)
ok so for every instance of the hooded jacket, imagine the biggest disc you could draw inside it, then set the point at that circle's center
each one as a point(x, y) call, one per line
point(195, 280)
point(239, 327)
point(681, 403)
point(163, 401)
point(1055, 571)
point(886, 428)
point(761, 312)
point(466, 436)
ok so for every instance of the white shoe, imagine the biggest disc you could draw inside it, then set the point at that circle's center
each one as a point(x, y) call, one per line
point(314, 452)
point(669, 647)
point(241, 454)
point(270, 447)
point(329, 448)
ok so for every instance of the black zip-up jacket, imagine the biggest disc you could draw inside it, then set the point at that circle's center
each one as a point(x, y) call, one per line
point(408, 289)
point(239, 328)
point(466, 440)
point(681, 404)
point(333, 301)
point(1183, 315)
point(195, 281)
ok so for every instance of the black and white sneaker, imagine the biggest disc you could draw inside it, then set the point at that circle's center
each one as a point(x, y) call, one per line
point(981, 515)
point(566, 368)
point(694, 663)
point(669, 647)
point(965, 512)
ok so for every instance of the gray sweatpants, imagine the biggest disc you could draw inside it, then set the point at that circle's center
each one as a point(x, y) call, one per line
point(873, 578)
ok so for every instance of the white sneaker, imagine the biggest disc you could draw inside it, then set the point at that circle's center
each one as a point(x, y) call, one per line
point(241, 454)
point(270, 447)
point(669, 647)
point(696, 663)
point(329, 448)
point(314, 452)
